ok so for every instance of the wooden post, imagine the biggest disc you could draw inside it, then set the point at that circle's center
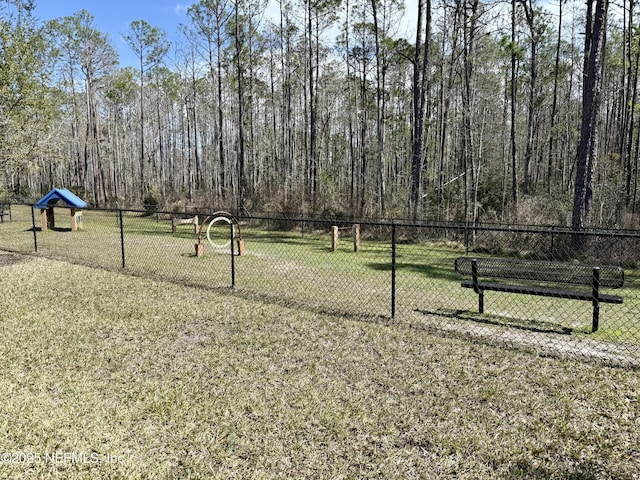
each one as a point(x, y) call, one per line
point(356, 237)
point(47, 220)
point(43, 219)
point(74, 225)
point(335, 235)
point(51, 219)
point(241, 247)
point(78, 219)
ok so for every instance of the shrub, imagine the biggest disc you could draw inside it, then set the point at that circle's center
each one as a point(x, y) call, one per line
point(150, 204)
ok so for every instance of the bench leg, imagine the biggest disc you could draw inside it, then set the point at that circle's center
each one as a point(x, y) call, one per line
point(474, 276)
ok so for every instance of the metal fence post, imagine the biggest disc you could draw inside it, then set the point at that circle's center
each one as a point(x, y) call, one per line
point(233, 257)
point(393, 271)
point(33, 224)
point(595, 293)
point(466, 239)
point(121, 237)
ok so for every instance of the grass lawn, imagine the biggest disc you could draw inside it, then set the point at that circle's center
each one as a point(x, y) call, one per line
point(106, 375)
point(298, 270)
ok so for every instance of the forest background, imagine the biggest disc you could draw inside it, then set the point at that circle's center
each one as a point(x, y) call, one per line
point(495, 111)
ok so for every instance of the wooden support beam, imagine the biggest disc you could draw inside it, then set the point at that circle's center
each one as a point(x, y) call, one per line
point(335, 236)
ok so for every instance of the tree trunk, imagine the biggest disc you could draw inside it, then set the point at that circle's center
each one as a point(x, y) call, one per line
point(468, 146)
point(530, 15)
point(241, 154)
point(420, 65)
point(591, 99)
point(554, 107)
point(379, 113)
point(514, 90)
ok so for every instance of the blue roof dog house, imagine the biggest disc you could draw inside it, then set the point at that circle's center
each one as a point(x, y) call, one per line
point(60, 197)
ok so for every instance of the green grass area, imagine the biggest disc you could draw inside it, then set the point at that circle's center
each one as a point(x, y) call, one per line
point(107, 375)
point(298, 269)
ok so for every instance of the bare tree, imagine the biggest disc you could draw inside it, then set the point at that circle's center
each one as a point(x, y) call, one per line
point(89, 51)
point(591, 100)
point(420, 69)
point(150, 46)
point(514, 91)
point(210, 19)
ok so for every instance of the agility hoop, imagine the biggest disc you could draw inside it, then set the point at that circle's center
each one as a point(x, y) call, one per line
point(215, 220)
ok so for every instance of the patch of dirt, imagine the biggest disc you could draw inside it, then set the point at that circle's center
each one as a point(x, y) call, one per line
point(541, 341)
point(9, 259)
point(192, 335)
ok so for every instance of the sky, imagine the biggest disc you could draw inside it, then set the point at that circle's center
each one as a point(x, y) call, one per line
point(115, 16)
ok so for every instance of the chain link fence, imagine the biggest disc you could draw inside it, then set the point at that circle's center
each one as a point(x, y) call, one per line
point(392, 272)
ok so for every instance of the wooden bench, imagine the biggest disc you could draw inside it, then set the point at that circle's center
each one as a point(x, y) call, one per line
point(542, 278)
point(5, 209)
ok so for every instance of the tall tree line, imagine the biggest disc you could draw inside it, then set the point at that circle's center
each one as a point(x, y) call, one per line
point(477, 111)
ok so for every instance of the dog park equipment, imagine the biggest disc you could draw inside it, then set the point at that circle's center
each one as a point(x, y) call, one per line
point(5, 210)
point(335, 236)
point(555, 276)
point(175, 222)
point(234, 233)
point(60, 197)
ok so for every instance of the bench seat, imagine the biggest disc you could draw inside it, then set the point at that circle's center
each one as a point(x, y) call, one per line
point(542, 291)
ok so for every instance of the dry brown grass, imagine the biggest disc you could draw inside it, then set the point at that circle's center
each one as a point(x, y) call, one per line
point(175, 382)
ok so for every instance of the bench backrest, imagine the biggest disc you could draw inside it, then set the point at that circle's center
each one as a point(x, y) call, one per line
point(611, 276)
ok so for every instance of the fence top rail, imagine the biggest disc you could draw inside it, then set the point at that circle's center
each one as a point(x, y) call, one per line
point(611, 276)
point(400, 223)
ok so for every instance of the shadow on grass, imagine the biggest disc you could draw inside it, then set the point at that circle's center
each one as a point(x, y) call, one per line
point(275, 299)
point(430, 271)
point(584, 470)
point(10, 259)
point(536, 326)
point(54, 229)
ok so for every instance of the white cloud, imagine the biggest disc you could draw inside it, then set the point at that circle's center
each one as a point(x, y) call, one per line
point(181, 9)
